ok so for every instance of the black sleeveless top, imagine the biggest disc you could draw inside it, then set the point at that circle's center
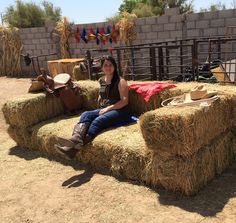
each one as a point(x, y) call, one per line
point(109, 94)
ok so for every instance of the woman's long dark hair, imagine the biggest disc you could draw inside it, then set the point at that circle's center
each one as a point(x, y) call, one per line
point(116, 76)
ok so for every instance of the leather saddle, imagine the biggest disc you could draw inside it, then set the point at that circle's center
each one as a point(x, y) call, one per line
point(63, 87)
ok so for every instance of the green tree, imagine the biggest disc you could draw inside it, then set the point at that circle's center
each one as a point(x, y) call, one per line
point(214, 7)
point(51, 13)
point(23, 15)
point(144, 8)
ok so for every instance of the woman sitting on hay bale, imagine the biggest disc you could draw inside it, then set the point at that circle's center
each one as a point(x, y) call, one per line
point(113, 103)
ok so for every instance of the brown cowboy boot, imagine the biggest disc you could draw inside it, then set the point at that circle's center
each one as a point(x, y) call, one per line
point(69, 147)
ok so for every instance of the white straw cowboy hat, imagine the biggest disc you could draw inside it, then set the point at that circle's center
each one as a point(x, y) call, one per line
point(196, 96)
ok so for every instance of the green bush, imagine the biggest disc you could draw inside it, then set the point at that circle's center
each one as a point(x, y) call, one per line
point(24, 15)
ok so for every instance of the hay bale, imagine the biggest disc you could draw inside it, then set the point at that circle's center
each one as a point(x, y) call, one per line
point(89, 93)
point(122, 152)
point(30, 109)
point(184, 130)
point(79, 74)
point(188, 175)
point(137, 105)
point(22, 136)
point(111, 151)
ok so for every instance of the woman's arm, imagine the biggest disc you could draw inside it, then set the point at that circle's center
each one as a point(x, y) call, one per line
point(124, 97)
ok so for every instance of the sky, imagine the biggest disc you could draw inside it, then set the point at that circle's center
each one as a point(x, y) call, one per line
point(90, 11)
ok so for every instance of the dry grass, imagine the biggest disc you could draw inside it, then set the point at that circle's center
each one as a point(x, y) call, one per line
point(63, 29)
point(183, 131)
point(122, 152)
point(30, 109)
point(188, 175)
point(10, 50)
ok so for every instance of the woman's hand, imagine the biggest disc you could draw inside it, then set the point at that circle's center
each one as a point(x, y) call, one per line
point(103, 110)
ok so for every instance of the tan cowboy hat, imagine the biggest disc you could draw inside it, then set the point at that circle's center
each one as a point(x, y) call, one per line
point(196, 96)
point(200, 92)
point(60, 80)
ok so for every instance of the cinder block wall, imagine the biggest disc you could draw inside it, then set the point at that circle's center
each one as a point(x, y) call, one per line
point(169, 26)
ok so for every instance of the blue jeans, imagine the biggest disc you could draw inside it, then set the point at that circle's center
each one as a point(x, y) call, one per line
point(97, 123)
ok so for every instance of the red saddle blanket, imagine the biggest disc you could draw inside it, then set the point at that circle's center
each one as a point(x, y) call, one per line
point(147, 90)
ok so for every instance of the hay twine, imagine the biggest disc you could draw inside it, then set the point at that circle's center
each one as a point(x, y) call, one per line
point(10, 51)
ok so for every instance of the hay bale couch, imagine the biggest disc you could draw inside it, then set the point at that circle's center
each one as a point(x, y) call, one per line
point(180, 149)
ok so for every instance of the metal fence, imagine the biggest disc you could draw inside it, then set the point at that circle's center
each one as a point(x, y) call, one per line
point(181, 60)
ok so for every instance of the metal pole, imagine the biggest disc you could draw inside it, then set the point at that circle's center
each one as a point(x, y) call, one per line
point(88, 55)
point(119, 62)
point(153, 69)
point(160, 61)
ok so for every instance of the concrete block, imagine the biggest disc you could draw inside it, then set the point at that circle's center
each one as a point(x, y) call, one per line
point(35, 41)
point(23, 36)
point(152, 35)
point(217, 23)
point(151, 20)
point(204, 24)
point(39, 46)
point(172, 11)
point(37, 52)
point(44, 41)
point(191, 25)
point(45, 35)
point(27, 42)
point(163, 19)
point(146, 28)
point(176, 18)
point(34, 30)
point(229, 13)
point(193, 16)
point(176, 34)
point(38, 35)
point(140, 21)
point(45, 51)
point(163, 35)
point(141, 36)
point(41, 29)
point(230, 22)
point(137, 29)
point(221, 31)
point(157, 27)
point(31, 47)
point(30, 36)
point(30, 52)
point(25, 30)
point(193, 33)
point(210, 15)
point(210, 32)
point(169, 26)
point(178, 26)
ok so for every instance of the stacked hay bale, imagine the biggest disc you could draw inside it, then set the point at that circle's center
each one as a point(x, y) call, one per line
point(10, 50)
point(180, 149)
point(190, 145)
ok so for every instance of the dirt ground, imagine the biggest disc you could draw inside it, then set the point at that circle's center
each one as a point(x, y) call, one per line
point(37, 188)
